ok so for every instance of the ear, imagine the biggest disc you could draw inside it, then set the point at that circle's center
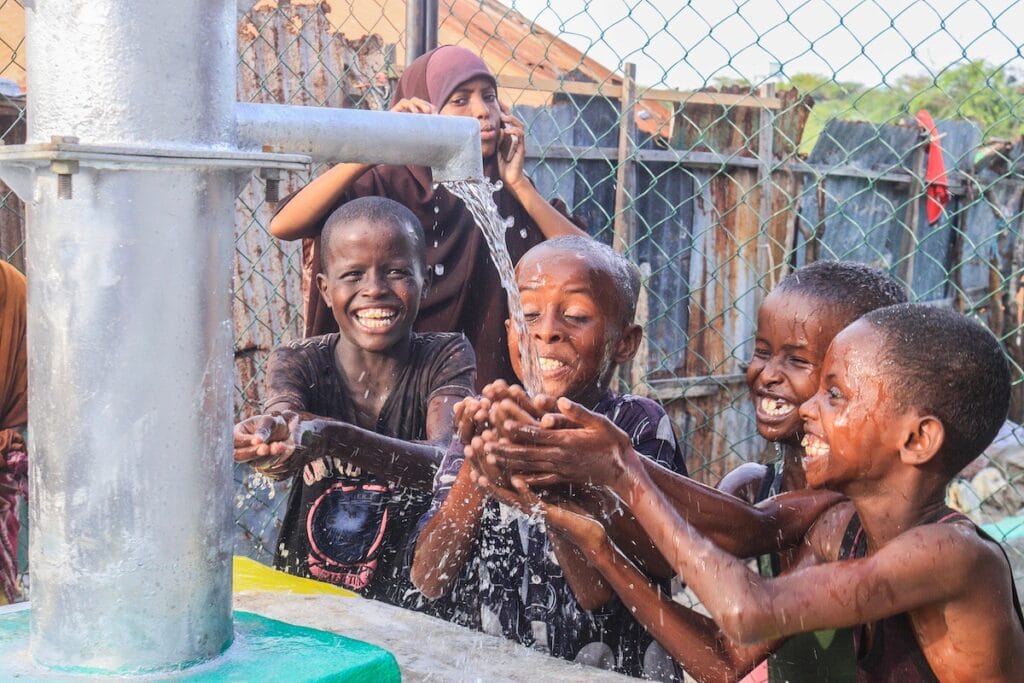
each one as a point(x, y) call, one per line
point(923, 439)
point(628, 343)
point(321, 283)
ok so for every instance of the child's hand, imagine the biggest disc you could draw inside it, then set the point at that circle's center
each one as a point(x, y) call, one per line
point(269, 442)
point(576, 446)
point(413, 105)
point(471, 417)
point(511, 148)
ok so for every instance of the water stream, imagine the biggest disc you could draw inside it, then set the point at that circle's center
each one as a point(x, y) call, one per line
point(478, 194)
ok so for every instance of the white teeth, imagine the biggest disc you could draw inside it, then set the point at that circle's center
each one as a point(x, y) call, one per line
point(550, 364)
point(776, 407)
point(814, 447)
point(376, 317)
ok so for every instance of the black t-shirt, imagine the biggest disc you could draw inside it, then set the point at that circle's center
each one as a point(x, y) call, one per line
point(344, 525)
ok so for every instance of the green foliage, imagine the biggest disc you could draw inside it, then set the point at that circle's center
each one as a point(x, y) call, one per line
point(990, 94)
point(987, 93)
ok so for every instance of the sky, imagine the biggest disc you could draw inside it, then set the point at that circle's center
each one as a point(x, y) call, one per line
point(685, 44)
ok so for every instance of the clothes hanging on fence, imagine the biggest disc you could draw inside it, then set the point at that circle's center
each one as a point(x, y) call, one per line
point(464, 293)
point(935, 178)
point(13, 419)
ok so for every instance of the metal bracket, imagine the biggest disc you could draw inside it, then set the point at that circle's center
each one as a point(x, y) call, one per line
point(64, 156)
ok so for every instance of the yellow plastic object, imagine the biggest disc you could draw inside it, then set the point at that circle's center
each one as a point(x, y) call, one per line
point(250, 575)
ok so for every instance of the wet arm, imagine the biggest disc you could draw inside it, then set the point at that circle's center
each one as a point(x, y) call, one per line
point(446, 541)
point(733, 524)
point(692, 639)
point(750, 608)
point(306, 211)
point(406, 463)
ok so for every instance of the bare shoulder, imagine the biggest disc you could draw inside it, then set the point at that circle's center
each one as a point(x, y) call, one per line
point(745, 481)
point(825, 537)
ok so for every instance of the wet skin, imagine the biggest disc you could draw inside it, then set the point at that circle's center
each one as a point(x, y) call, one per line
point(954, 586)
point(579, 340)
point(793, 333)
point(571, 311)
point(373, 284)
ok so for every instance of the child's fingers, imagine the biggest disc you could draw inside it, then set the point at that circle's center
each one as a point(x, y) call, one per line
point(541, 480)
point(557, 421)
point(245, 454)
point(495, 390)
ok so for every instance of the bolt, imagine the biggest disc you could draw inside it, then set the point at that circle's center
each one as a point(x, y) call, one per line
point(64, 170)
point(63, 140)
point(272, 178)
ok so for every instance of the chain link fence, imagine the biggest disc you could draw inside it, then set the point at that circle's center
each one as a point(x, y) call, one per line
point(718, 145)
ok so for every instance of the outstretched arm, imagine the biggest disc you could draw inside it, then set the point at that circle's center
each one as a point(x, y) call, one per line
point(692, 639)
point(560, 449)
point(283, 441)
point(905, 574)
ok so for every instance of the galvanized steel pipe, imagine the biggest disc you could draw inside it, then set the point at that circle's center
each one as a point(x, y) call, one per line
point(450, 145)
point(130, 339)
point(129, 176)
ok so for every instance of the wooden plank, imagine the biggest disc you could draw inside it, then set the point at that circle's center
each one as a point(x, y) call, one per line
point(625, 174)
point(613, 90)
point(765, 161)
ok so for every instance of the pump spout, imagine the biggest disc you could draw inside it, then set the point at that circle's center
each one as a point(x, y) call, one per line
point(449, 145)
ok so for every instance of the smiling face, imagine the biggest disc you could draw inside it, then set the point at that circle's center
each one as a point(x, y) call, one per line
point(571, 309)
point(373, 282)
point(853, 434)
point(478, 99)
point(793, 333)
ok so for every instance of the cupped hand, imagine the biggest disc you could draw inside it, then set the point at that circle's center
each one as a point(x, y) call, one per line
point(577, 446)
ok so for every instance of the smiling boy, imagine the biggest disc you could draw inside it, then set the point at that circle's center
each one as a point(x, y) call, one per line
point(579, 298)
point(359, 419)
point(909, 394)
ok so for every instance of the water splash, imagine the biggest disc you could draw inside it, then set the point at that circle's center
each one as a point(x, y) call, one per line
point(478, 195)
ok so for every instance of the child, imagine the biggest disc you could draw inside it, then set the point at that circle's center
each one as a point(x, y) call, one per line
point(909, 394)
point(359, 418)
point(796, 322)
point(579, 299)
point(465, 295)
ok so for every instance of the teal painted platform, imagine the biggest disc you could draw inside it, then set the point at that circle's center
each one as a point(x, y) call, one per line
point(264, 650)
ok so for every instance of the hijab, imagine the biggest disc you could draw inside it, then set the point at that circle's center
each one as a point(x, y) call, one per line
point(463, 293)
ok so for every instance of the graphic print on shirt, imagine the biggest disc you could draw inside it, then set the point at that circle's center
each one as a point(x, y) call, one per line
point(345, 524)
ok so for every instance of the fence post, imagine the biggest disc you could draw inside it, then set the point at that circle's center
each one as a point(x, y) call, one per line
point(765, 156)
point(415, 15)
point(625, 176)
point(908, 239)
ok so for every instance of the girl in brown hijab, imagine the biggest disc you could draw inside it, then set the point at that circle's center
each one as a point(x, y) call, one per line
point(465, 294)
point(13, 419)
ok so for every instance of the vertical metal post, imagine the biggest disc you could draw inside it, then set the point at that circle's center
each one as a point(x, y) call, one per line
point(625, 174)
point(415, 11)
point(430, 24)
point(130, 337)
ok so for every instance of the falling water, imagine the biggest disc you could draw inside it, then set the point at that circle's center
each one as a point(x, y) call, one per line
point(478, 194)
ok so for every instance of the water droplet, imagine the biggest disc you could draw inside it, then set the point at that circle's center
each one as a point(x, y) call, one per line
point(437, 209)
point(523, 233)
point(439, 269)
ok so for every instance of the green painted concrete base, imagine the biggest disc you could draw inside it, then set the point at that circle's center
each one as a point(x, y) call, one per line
point(263, 650)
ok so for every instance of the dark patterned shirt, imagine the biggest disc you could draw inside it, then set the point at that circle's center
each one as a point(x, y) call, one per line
point(514, 585)
point(344, 525)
